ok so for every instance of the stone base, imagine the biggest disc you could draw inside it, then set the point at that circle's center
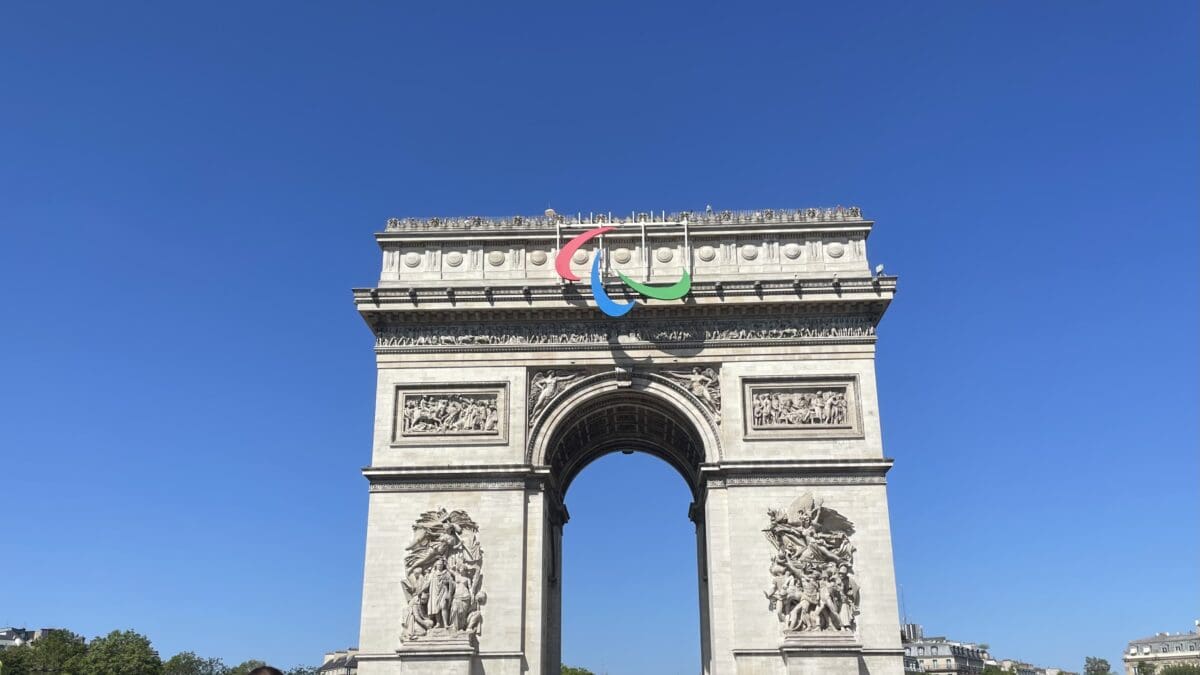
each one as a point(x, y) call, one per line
point(439, 652)
point(821, 653)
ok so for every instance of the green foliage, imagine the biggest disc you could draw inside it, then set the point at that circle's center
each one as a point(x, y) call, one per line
point(1145, 668)
point(1180, 669)
point(188, 663)
point(58, 651)
point(995, 670)
point(245, 667)
point(122, 653)
point(572, 670)
point(16, 660)
point(1093, 665)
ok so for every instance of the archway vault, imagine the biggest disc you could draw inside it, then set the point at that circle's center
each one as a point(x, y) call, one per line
point(622, 411)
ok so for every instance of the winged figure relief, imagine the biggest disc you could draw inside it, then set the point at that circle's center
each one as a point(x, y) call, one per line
point(545, 385)
point(813, 586)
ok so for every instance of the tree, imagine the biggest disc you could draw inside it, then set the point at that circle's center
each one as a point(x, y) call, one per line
point(995, 670)
point(245, 667)
point(1181, 669)
point(122, 653)
point(187, 663)
point(15, 660)
point(573, 670)
point(1093, 665)
point(58, 651)
point(301, 670)
point(1145, 668)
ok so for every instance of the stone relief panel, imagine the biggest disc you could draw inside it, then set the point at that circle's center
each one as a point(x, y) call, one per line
point(442, 414)
point(443, 573)
point(802, 408)
point(704, 383)
point(546, 385)
point(812, 589)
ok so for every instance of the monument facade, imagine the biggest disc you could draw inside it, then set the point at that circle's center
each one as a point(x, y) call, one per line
point(737, 346)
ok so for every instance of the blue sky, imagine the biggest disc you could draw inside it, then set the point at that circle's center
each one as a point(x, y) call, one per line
point(188, 192)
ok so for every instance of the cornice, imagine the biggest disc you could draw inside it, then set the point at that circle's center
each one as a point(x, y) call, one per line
point(796, 472)
point(701, 219)
point(513, 301)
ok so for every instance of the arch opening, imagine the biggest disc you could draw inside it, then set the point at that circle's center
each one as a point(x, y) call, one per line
point(629, 419)
point(640, 414)
point(630, 569)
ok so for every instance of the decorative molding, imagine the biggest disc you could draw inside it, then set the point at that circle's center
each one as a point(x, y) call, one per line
point(739, 481)
point(405, 337)
point(386, 485)
point(802, 408)
point(443, 572)
point(812, 589)
point(706, 217)
point(450, 413)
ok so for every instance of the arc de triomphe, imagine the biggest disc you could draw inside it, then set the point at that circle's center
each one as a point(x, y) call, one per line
point(737, 346)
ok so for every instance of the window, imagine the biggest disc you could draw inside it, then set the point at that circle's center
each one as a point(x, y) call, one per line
point(1191, 646)
point(933, 651)
point(1133, 650)
point(921, 651)
point(1165, 648)
point(1145, 649)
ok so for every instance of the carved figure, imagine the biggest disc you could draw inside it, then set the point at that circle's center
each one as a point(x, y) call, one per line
point(812, 584)
point(632, 331)
point(703, 384)
point(791, 408)
point(451, 413)
point(545, 386)
point(443, 573)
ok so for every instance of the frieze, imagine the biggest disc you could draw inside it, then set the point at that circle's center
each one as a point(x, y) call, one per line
point(552, 221)
point(444, 486)
point(584, 333)
point(748, 481)
point(807, 407)
point(463, 413)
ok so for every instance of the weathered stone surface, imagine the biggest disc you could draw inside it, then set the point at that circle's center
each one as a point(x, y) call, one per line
point(497, 383)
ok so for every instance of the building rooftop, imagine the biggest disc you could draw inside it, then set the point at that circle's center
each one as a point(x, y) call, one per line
point(1161, 637)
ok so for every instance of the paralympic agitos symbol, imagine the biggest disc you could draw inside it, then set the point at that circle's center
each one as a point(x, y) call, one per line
point(562, 265)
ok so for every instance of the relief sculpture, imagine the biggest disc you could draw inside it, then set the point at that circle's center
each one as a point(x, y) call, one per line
point(800, 408)
point(438, 414)
point(443, 574)
point(813, 587)
point(625, 332)
point(704, 384)
point(545, 385)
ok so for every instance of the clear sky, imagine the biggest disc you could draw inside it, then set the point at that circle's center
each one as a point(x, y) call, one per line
point(188, 192)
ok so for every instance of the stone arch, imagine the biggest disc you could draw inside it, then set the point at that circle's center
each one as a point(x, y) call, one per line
point(619, 410)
